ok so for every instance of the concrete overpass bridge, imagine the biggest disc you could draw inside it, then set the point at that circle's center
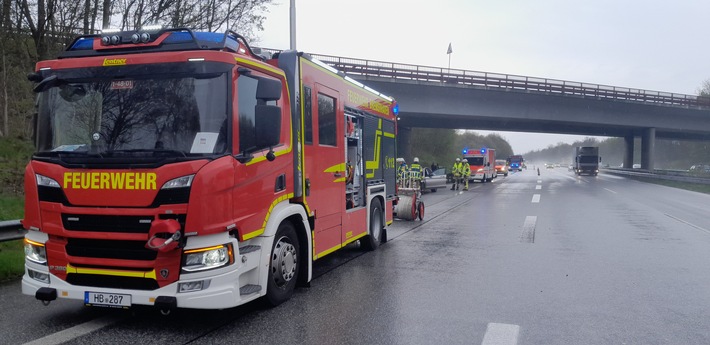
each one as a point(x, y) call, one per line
point(435, 97)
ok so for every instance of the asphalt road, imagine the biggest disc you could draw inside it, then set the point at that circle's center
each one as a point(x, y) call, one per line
point(527, 259)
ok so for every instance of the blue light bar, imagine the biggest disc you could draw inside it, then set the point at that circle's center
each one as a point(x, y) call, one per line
point(84, 43)
point(483, 150)
point(395, 109)
point(204, 38)
point(465, 151)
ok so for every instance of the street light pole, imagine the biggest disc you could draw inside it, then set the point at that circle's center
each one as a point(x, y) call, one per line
point(292, 14)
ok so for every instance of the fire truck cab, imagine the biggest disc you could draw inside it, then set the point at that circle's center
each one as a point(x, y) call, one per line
point(181, 169)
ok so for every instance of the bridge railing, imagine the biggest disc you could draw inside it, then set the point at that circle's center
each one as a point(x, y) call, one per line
point(406, 72)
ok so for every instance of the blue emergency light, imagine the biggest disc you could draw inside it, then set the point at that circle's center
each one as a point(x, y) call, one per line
point(395, 109)
point(465, 151)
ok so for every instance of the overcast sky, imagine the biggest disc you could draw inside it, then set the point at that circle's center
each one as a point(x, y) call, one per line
point(653, 45)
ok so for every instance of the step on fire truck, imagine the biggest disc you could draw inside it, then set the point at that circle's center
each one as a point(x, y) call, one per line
point(181, 169)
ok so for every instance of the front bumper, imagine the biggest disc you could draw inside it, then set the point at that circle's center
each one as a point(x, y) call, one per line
point(223, 290)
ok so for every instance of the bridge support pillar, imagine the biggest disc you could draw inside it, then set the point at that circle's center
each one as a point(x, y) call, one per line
point(648, 147)
point(404, 140)
point(628, 151)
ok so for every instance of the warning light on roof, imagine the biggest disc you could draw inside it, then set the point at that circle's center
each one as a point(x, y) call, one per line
point(483, 150)
point(464, 151)
point(395, 109)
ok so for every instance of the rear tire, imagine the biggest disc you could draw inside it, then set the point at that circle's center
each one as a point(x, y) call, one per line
point(374, 237)
point(283, 268)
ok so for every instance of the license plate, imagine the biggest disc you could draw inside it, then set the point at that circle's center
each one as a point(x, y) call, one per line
point(111, 300)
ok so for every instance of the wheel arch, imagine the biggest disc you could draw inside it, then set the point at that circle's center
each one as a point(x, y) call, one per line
point(296, 215)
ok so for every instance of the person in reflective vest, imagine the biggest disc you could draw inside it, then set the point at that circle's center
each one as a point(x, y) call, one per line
point(415, 173)
point(402, 173)
point(456, 170)
point(465, 172)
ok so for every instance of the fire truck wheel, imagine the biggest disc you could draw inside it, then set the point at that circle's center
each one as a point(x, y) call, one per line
point(283, 269)
point(374, 236)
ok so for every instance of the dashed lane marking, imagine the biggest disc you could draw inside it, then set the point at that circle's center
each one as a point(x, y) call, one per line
point(538, 187)
point(76, 331)
point(528, 234)
point(688, 223)
point(501, 334)
point(536, 198)
point(611, 190)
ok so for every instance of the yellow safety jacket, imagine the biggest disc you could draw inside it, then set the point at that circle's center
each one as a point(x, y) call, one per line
point(465, 169)
point(457, 169)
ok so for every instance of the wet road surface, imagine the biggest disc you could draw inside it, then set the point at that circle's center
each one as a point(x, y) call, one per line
point(554, 259)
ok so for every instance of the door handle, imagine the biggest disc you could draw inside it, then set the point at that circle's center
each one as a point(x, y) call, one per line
point(337, 174)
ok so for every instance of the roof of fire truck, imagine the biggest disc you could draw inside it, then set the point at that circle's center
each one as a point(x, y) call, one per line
point(149, 39)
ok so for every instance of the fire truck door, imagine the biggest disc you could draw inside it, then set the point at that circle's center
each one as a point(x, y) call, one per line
point(327, 171)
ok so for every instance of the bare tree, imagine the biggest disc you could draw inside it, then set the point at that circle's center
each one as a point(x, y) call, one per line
point(704, 89)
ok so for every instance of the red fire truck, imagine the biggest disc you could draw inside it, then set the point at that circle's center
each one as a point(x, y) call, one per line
point(181, 169)
point(482, 163)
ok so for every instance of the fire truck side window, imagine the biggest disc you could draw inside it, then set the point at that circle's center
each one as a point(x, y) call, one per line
point(247, 102)
point(308, 115)
point(326, 120)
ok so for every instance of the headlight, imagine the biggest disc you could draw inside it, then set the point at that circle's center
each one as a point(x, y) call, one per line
point(207, 258)
point(46, 181)
point(480, 170)
point(185, 181)
point(35, 252)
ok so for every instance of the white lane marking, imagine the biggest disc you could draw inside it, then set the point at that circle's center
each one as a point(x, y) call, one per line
point(539, 181)
point(501, 334)
point(688, 223)
point(611, 177)
point(528, 234)
point(536, 198)
point(538, 187)
point(611, 190)
point(76, 331)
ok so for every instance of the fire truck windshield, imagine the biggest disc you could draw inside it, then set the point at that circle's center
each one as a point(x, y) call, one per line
point(123, 115)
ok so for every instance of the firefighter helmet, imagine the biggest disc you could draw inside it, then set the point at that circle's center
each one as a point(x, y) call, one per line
point(416, 159)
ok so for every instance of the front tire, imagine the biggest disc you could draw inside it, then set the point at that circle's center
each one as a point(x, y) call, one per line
point(372, 240)
point(283, 268)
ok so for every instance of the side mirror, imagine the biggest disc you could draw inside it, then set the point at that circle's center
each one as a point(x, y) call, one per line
point(268, 125)
point(46, 83)
point(268, 89)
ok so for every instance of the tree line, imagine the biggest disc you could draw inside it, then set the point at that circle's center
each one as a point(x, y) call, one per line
point(31, 31)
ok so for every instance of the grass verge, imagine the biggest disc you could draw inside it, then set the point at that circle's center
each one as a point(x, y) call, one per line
point(12, 253)
point(12, 260)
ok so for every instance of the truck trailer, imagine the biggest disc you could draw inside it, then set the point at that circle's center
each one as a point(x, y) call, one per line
point(586, 160)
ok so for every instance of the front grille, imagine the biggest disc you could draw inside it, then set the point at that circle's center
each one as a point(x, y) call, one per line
point(104, 223)
point(113, 282)
point(109, 249)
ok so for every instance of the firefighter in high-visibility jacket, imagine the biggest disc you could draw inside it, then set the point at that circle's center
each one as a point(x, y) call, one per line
point(402, 173)
point(456, 170)
point(415, 174)
point(465, 172)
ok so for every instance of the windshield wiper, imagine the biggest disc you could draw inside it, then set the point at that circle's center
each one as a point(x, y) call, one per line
point(157, 151)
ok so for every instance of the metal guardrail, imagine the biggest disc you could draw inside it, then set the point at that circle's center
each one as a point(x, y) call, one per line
point(659, 174)
point(11, 230)
point(406, 72)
